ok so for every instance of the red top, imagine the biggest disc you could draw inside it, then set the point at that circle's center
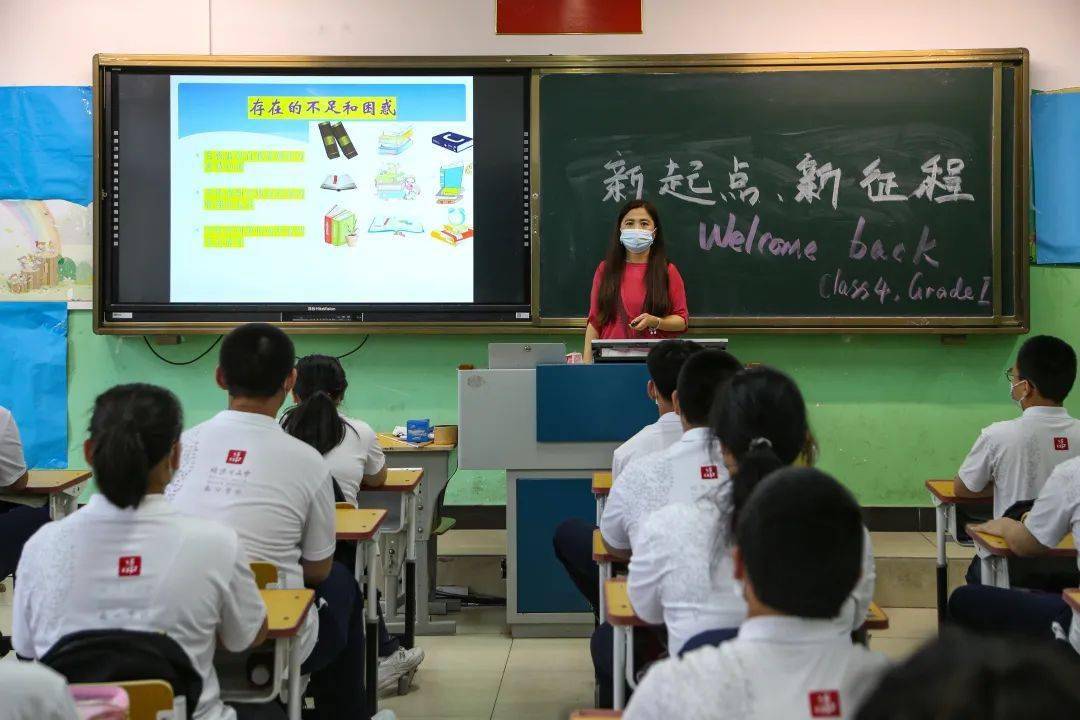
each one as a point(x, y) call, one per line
point(632, 293)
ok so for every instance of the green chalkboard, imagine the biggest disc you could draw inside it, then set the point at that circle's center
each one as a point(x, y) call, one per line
point(817, 151)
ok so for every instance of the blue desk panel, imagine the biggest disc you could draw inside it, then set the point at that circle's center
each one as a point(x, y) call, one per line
point(592, 403)
point(542, 503)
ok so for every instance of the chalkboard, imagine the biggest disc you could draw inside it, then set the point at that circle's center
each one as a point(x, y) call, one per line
point(864, 196)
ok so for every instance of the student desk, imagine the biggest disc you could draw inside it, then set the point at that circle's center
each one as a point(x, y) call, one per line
point(1072, 598)
point(406, 482)
point(146, 698)
point(439, 463)
point(285, 612)
point(361, 526)
point(945, 502)
point(623, 620)
point(995, 568)
point(605, 558)
point(876, 619)
point(601, 488)
point(62, 487)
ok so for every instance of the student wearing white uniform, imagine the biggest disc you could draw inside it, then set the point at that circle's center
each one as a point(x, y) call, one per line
point(130, 561)
point(352, 453)
point(688, 470)
point(760, 421)
point(573, 537)
point(1013, 458)
point(1055, 514)
point(242, 469)
point(31, 691)
point(790, 659)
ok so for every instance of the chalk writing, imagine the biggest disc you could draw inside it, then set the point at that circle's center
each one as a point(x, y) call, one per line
point(739, 180)
point(670, 184)
point(814, 179)
point(933, 181)
point(619, 178)
point(880, 185)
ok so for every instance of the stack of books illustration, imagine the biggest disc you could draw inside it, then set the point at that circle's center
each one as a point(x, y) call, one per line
point(335, 137)
point(395, 141)
point(452, 234)
point(450, 179)
point(338, 225)
point(390, 183)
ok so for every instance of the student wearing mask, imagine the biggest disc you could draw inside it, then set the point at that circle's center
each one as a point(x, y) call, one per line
point(353, 455)
point(636, 291)
point(790, 659)
point(130, 561)
point(1012, 459)
point(242, 469)
point(573, 537)
point(760, 421)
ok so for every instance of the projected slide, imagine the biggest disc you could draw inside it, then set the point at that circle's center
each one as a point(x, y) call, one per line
point(321, 190)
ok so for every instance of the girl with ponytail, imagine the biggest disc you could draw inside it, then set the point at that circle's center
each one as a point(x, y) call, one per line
point(350, 446)
point(128, 561)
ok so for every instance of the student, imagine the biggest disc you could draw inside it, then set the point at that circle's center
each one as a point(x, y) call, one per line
point(130, 561)
point(352, 453)
point(34, 692)
point(18, 521)
point(961, 675)
point(573, 537)
point(686, 471)
point(242, 469)
point(790, 659)
point(1012, 459)
point(761, 423)
point(1041, 615)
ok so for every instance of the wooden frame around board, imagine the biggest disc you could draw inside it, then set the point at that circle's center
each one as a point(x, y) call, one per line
point(1018, 58)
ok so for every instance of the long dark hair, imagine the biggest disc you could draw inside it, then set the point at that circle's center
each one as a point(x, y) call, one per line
point(320, 386)
point(760, 418)
point(657, 301)
point(132, 428)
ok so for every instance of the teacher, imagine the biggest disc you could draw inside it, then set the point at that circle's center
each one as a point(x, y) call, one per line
point(636, 292)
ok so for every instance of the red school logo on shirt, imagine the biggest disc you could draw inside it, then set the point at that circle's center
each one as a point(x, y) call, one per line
point(709, 472)
point(130, 566)
point(1061, 443)
point(825, 703)
point(236, 457)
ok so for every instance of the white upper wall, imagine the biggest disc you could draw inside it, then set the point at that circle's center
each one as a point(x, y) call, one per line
point(50, 42)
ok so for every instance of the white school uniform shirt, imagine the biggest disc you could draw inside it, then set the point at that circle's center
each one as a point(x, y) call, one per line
point(31, 691)
point(12, 462)
point(682, 473)
point(358, 454)
point(149, 569)
point(652, 438)
point(682, 574)
point(1018, 455)
point(778, 668)
point(1057, 512)
point(275, 491)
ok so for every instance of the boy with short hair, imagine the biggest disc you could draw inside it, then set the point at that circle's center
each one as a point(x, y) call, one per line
point(242, 469)
point(790, 660)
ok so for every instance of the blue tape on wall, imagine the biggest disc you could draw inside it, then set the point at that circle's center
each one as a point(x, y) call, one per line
point(33, 378)
point(1055, 148)
point(46, 151)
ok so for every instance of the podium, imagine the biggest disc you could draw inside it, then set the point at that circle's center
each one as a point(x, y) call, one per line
point(549, 427)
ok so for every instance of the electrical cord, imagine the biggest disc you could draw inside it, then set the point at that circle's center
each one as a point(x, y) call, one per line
point(195, 359)
point(355, 349)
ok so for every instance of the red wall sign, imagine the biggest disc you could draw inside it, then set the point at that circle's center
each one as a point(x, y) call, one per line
point(554, 17)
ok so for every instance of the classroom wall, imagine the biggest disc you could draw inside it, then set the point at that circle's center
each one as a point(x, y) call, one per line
point(889, 411)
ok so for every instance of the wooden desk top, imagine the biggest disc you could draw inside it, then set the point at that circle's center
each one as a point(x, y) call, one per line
point(285, 610)
point(600, 551)
point(353, 524)
point(389, 443)
point(601, 482)
point(619, 610)
point(943, 491)
point(1072, 597)
point(995, 544)
point(50, 482)
point(876, 619)
point(401, 480)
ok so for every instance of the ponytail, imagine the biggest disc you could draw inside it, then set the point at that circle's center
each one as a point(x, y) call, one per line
point(756, 464)
point(320, 386)
point(133, 427)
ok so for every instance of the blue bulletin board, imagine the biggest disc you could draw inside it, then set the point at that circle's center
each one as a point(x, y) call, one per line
point(1055, 150)
point(33, 378)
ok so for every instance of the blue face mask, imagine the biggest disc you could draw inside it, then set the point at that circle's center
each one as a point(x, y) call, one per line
point(636, 240)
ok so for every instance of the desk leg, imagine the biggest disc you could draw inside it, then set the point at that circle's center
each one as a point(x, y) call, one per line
point(942, 564)
point(410, 577)
point(1001, 572)
point(371, 612)
point(631, 681)
point(294, 678)
point(986, 571)
point(617, 660)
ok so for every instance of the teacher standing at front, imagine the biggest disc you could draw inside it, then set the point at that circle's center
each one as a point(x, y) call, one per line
point(636, 292)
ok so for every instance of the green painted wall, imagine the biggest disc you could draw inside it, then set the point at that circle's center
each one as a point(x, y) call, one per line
point(889, 411)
